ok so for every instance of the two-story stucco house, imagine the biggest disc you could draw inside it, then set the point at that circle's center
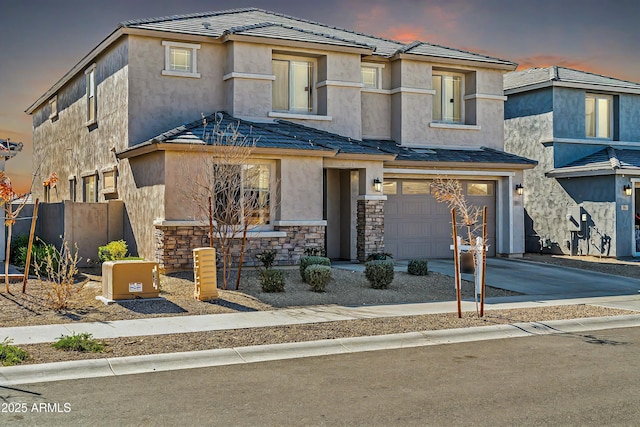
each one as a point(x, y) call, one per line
point(584, 131)
point(336, 113)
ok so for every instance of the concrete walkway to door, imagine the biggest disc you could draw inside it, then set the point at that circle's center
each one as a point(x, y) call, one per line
point(545, 280)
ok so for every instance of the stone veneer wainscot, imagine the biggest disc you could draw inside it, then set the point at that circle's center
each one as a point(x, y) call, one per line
point(370, 228)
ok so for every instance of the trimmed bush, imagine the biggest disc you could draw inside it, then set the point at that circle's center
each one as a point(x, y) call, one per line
point(10, 354)
point(379, 273)
point(378, 256)
point(113, 251)
point(418, 267)
point(315, 251)
point(272, 280)
point(267, 258)
point(306, 261)
point(318, 276)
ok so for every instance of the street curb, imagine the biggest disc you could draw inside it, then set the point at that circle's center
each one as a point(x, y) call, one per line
point(93, 368)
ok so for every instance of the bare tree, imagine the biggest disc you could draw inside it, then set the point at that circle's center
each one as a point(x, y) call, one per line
point(229, 190)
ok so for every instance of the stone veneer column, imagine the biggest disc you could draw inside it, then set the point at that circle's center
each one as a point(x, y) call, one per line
point(369, 226)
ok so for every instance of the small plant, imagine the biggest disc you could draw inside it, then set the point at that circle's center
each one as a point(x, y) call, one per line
point(318, 276)
point(379, 273)
point(377, 256)
point(418, 267)
point(267, 258)
point(315, 251)
point(272, 280)
point(10, 354)
point(39, 251)
point(60, 268)
point(83, 342)
point(113, 251)
point(19, 242)
point(306, 261)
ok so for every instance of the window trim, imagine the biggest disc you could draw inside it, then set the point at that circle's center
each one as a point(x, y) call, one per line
point(378, 68)
point(461, 99)
point(109, 190)
point(597, 96)
point(93, 174)
point(92, 86)
point(167, 71)
point(312, 85)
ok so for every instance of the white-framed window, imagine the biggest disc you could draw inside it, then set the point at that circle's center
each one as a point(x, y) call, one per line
point(90, 188)
point(598, 115)
point(180, 59)
point(447, 100)
point(53, 107)
point(293, 87)
point(92, 95)
point(371, 76)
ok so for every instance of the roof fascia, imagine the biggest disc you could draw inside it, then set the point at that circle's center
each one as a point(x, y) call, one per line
point(298, 44)
point(573, 85)
point(78, 68)
point(453, 61)
point(143, 149)
point(580, 173)
point(459, 165)
point(171, 35)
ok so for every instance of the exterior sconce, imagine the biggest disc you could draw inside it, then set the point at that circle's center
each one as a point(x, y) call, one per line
point(519, 190)
point(377, 185)
point(628, 191)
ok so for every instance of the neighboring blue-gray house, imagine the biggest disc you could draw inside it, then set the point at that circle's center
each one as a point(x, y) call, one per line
point(583, 198)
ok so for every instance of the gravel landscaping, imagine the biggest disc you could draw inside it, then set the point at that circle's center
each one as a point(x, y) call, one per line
point(346, 288)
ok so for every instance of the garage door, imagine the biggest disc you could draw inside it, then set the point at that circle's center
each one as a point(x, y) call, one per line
point(416, 225)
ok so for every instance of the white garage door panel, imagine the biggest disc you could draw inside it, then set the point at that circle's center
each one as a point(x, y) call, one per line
point(417, 226)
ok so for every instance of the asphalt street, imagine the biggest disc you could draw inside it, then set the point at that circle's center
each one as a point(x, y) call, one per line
point(586, 378)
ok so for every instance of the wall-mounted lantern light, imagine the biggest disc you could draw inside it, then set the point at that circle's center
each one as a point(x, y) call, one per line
point(628, 191)
point(519, 190)
point(377, 185)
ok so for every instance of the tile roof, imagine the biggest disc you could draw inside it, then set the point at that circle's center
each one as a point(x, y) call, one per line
point(606, 161)
point(9, 149)
point(538, 76)
point(428, 49)
point(263, 23)
point(443, 154)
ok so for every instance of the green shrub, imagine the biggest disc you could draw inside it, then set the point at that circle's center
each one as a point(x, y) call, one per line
point(21, 241)
point(418, 267)
point(318, 276)
point(272, 280)
point(79, 342)
point(39, 253)
point(306, 261)
point(10, 354)
point(379, 273)
point(113, 251)
point(267, 258)
point(315, 251)
point(377, 256)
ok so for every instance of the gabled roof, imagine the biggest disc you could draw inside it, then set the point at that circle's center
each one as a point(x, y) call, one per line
point(9, 149)
point(608, 161)
point(433, 50)
point(536, 78)
point(449, 155)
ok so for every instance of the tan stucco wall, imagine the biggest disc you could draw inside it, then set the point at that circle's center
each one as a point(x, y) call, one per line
point(157, 102)
point(300, 188)
point(376, 115)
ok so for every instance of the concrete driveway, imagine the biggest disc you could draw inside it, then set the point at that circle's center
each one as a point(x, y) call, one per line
point(545, 280)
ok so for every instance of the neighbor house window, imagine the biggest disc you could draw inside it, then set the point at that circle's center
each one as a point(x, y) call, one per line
point(447, 101)
point(371, 77)
point(53, 107)
point(72, 189)
point(90, 74)
point(180, 59)
point(598, 117)
point(293, 85)
point(89, 188)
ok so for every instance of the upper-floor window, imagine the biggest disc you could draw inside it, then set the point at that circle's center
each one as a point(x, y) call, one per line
point(180, 59)
point(92, 93)
point(53, 107)
point(447, 101)
point(371, 77)
point(293, 85)
point(72, 188)
point(598, 118)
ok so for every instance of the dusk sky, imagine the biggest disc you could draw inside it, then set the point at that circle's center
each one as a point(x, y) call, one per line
point(41, 39)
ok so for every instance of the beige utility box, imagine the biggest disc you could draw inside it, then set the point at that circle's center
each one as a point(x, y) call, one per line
point(130, 280)
point(204, 274)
